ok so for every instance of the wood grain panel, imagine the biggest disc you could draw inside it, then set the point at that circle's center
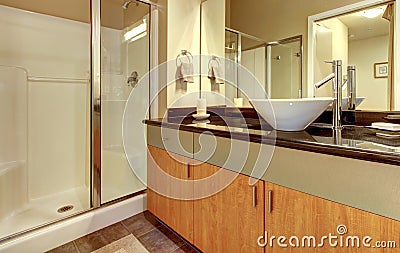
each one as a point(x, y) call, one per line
point(227, 221)
point(299, 214)
point(162, 191)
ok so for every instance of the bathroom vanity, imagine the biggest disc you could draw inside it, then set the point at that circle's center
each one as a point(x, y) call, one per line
point(312, 182)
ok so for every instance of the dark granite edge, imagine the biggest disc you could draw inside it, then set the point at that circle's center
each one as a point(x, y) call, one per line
point(321, 148)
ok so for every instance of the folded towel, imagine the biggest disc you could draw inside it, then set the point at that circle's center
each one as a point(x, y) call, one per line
point(215, 74)
point(386, 126)
point(185, 72)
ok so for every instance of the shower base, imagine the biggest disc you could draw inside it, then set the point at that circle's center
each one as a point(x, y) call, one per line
point(59, 233)
point(44, 210)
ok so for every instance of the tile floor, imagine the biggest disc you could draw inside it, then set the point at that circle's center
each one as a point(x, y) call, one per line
point(141, 233)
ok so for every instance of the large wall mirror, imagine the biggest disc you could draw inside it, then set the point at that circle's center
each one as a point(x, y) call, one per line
point(275, 64)
point(275, 21)
point(363, 38)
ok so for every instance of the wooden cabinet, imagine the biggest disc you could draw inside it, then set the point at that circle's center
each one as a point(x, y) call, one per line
point(227, 216)
point(219, 211)
point(231, 218)
point(168, 181)
point(293, 213)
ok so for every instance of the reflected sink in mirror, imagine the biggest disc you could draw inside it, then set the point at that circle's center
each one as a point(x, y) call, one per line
point(359, 100)
point(290, 114)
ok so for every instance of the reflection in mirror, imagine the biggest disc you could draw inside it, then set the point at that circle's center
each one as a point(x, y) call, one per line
point(277, 66)
point(250, 52)
point(284, 68)
point(364, 39)
point(233, 54)
point(275, 20)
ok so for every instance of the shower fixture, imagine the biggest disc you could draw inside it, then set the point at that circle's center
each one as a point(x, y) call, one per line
point(127, 3)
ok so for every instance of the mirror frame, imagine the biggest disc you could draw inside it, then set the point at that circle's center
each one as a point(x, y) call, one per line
point(344, 10)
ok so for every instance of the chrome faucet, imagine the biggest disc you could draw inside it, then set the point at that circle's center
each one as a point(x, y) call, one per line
point(351, 87)
point(336, 77)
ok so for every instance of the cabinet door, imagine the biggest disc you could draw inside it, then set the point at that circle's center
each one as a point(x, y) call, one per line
point(293, 213)
point(231, 219)
point(168, 198)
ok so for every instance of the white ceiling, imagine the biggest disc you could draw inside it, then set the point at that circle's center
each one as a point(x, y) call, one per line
point(362, 28)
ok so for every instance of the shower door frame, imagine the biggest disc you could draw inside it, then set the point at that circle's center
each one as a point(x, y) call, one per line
point(95, 103)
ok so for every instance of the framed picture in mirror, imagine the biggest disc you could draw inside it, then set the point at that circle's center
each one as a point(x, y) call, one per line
point(381, 69)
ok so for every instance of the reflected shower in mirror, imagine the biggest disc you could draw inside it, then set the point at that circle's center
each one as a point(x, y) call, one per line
point(250, 52)
point(276, 65)
point(284, 68)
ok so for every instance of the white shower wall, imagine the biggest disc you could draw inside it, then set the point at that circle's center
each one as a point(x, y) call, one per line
point(57, 138)
point(13, 135)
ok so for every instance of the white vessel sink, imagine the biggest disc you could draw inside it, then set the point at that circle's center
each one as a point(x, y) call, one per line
point(359, 100)
point(290, 114)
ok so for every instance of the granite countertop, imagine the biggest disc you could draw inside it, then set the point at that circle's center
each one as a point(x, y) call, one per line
point(352, 142)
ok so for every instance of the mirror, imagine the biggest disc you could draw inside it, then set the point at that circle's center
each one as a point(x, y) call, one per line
point(362, 39)
point(273, 20)
point(284, 68)
point(276, 65)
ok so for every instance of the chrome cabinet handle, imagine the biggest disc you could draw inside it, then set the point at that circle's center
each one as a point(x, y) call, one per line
point(187, 171)
point(254, 196)
point(269, 201)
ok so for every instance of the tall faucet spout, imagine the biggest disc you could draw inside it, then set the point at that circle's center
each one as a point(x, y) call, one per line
point(325, 80)
point(336, 77)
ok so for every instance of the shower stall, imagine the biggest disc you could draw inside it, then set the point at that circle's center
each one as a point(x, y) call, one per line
point(67, 69)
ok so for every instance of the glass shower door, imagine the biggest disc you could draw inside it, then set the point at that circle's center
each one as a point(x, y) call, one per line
point(124, 61)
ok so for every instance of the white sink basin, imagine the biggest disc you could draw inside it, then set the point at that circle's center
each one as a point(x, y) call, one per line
point(290, 114)
point(359, 100)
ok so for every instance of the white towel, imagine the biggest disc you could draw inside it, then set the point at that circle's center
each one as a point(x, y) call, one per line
point(185, 72)
point(215, 74)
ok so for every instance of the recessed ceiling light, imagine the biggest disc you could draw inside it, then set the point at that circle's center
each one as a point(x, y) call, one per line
point(372, 13)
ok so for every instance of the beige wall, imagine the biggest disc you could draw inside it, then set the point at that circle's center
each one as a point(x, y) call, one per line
point(78, 10)
point(183, 25)
point(338, 35)
point(276, 19)
point(212, 43)
point(323, 51)
point(135, 13)
point(374, 89)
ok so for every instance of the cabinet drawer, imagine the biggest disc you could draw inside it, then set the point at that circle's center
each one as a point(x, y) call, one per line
point(176, 141)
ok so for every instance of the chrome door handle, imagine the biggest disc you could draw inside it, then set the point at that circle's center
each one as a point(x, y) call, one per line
point(254, 188)
point(187, 171)
point(269, 201)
